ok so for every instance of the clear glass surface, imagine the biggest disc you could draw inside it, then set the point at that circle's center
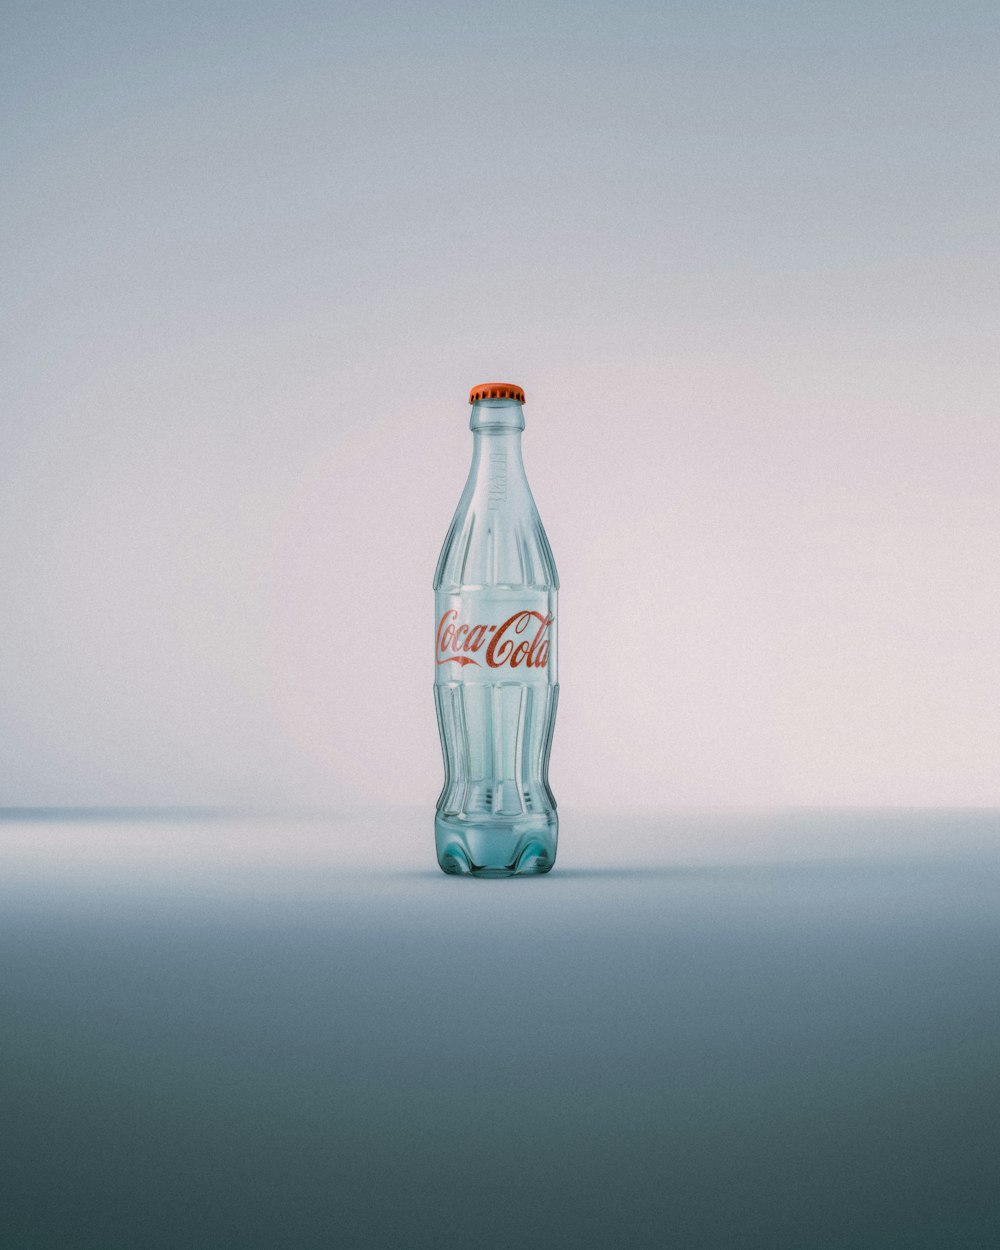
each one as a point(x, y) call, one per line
point(496, 684)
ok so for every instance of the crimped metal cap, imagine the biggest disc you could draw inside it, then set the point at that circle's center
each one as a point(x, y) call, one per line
point(496, 390)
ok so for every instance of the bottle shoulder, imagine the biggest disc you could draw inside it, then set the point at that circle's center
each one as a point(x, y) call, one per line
point(496, 548)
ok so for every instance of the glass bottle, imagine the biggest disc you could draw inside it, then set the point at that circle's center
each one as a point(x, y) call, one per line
point(496, 685)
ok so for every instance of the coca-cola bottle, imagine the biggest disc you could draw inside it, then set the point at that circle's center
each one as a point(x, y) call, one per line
point(495, 678)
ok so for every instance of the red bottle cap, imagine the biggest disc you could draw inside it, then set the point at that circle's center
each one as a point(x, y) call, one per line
point(496, 390)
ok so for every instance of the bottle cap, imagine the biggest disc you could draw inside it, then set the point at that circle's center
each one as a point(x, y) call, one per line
point(496, 390)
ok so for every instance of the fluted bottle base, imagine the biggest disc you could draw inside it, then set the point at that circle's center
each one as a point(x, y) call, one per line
point(522, 846)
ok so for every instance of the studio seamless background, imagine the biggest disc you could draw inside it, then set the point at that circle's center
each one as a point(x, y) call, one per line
point(742, 258)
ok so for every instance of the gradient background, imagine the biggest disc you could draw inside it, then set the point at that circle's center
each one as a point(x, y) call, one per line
point(744, 260)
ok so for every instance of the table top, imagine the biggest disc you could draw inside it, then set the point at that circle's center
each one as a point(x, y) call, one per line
point(702, 1029)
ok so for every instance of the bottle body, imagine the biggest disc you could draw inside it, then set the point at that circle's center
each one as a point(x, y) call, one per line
point(496, 683)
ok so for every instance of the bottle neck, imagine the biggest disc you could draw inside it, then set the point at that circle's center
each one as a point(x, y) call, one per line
point(497, 468)
point(496, 415)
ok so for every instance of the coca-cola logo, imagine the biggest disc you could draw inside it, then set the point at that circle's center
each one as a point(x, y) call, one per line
point(521, 639)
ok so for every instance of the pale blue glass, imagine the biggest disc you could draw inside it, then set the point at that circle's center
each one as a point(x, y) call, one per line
point(496, 684)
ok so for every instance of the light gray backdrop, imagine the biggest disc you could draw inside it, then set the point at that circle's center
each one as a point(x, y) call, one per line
point(743, 258)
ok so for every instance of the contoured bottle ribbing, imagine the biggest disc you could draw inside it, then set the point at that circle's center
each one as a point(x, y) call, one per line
point(496, 685)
